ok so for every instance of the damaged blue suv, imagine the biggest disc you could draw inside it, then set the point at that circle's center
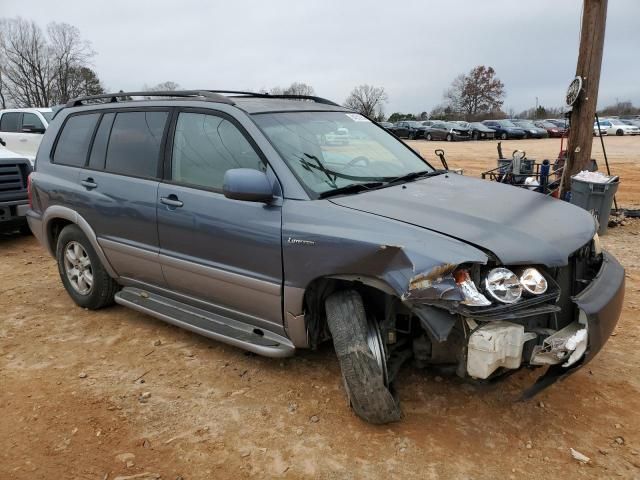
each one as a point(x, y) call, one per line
point(228, 214)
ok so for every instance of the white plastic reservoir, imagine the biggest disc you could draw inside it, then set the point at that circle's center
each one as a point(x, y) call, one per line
point(494, 345)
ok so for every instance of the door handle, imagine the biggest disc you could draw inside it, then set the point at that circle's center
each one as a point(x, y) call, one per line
point(88, 183)
point(23, 140)
point(171, 201)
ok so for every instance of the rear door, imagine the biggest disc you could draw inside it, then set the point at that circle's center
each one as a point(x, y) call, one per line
point(119, 190)
point(10, 123)
point(32, 129)
point(224, 252)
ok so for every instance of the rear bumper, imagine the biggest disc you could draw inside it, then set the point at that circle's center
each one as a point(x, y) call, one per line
point(600, 304)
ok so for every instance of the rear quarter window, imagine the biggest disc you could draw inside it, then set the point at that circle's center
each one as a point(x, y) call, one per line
point(72, 147)
point(135, 142)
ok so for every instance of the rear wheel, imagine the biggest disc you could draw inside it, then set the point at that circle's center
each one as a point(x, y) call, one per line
point(475, 135)
point(503, 135)
point(449, 137)
point(360, 350)
point(429, 137)
point(82, 274)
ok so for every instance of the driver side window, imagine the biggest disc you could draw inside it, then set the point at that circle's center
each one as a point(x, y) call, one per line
point(206, 146)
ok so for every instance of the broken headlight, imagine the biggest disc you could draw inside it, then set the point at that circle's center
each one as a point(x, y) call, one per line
point(472, 297)
point(533, 281)
point(503, 285)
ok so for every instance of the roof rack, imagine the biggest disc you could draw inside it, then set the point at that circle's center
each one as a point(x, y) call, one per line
point(207, 95)
point(312, 98)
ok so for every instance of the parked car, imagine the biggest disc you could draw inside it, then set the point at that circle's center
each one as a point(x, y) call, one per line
point(14, 172)
point(552, 129)
point(411, 129)
point(505, 129)
point(479, 131)
point(447, 131)
point(530, 129)
point(386, 125)
point(229, 217)
point(613, 126)
point(598, 131)
point(338, 137)
point(632, 121)
point(559, 122)
point(22, 129)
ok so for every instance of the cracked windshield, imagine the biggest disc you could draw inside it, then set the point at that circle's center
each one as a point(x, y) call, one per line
point(334, 151)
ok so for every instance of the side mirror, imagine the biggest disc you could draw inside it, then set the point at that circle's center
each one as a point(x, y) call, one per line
point(32, 129)
point(247, 184)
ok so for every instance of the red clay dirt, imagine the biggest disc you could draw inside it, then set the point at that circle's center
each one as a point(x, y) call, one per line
point(80, 389)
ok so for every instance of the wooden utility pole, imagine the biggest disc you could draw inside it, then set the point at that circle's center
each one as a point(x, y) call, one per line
point(594, 19)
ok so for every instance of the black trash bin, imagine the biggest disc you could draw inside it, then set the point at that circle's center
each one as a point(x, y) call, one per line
point(596, 198)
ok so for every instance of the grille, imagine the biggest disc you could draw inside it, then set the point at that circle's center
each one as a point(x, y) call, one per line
point(12, 178)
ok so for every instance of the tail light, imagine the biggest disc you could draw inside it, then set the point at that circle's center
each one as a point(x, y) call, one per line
point(29, 191)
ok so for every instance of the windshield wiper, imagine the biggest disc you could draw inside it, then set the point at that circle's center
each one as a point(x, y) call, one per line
point(413, 176)
point(351, 188)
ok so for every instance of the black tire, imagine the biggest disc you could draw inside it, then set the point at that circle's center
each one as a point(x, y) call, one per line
point(449, 137)
point(475, 135)
point(619, 132)
point(504, 135)
point(103, 288)
point(428, 136)
point(369, 397)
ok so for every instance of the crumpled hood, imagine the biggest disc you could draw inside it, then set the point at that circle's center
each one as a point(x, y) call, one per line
point(516, 225)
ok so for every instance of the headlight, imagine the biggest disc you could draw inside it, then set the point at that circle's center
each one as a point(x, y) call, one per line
point(597, 246)
point(472, 296)
point(533, 281)
point(503, 285)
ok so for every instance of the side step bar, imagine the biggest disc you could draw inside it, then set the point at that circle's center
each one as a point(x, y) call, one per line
point(206, 323)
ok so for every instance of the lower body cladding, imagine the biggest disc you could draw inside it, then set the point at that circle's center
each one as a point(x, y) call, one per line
point(562, 334)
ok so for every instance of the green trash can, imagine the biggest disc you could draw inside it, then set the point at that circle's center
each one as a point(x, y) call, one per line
point(595, 197)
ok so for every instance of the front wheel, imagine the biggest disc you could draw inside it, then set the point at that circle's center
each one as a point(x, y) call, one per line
point(429, 137)
point(503, 135)
point(449, 137)
point(619, 132)
point(82, 274)
point(360, 350)
point(475, 135)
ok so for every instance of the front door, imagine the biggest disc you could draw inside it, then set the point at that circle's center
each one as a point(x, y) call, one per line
point(224, 252)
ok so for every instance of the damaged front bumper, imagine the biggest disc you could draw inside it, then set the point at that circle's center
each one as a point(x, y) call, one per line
point(511, 336)
point(599, 304)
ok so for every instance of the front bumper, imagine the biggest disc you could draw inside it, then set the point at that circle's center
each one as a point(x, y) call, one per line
point(600, 303)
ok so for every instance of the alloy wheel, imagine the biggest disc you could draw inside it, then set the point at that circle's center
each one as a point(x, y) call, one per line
point(77, 267)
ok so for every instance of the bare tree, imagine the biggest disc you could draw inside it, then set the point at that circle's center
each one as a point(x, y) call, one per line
point(40, 70)
point(70, 54)
point(476, 93)
point(367, 100)
point(168, 86)
point(3, 100)
point(296, 88)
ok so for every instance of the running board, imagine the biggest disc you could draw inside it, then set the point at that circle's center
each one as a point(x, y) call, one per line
point(217, 327)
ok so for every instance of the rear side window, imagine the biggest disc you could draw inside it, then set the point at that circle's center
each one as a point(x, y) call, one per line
point(73, 144)
point(32, 120)
point(99, 149)
point(205, 147)
point(134, 144)
point(9, 122)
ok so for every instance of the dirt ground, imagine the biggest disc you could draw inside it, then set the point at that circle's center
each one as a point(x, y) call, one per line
point(116, 394)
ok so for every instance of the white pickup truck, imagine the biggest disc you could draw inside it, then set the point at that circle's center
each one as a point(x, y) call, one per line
point(21, 129)
point(14, 201)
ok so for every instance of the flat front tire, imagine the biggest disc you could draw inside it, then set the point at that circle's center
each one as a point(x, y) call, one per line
point(362, 372)
point(81, 272)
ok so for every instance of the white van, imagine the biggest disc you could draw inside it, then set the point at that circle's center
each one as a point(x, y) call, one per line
point(21, 129)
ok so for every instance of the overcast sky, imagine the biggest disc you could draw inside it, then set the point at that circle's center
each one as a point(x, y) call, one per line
point(412, 49)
